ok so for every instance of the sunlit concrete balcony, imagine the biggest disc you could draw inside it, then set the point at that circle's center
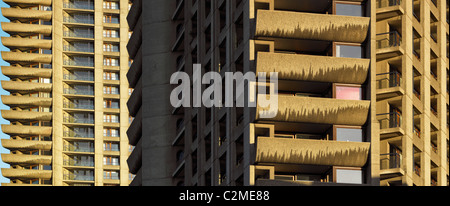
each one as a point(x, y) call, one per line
point(389, 45)
point(26, 144)
point(299, 25)
point(14, 72)
point(318, 110)
point(389, 85)
point(26, 159)
point(13, 101)
point(17, 13)
point(25, 173)
point(311, 152)
point(314, 68)
point(26, 28)
point(14, 86)
point(388, 8)
point(12, 42)
point(26, 130)
point(26, 115)
point(25, 2)
point(26, 57)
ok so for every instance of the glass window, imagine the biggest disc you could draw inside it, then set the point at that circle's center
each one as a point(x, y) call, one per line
point(349, 51)
point(349, 135)
point(349, 176)
point(350, 93)
point(349, 9)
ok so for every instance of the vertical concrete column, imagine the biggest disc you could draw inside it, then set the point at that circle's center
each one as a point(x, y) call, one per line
point(98, 91)
point(57, 106)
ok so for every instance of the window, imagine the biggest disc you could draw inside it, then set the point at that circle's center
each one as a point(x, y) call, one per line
point(110, 161)
point(111, 118)
point(109, 132)
point(110, 62)
point(111, 175)
point(348, 92)
point(110, 104)
point(110, 90)
point(349, 176)
point(110, 48)
point(349, 9)
point(110, 19)
point(349, 134)
point(349, 51)
point(109, 146)
point(111, 33)
point(110, 76)
point(110, 5)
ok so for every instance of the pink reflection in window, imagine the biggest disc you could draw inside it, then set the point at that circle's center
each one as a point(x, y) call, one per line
point(352, 93)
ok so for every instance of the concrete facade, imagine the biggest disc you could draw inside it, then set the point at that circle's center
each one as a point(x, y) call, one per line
point(68, 93)
point(320, 136)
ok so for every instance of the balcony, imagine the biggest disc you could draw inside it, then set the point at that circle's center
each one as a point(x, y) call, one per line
point(85, 76)
point(75, 177)
point(79, 34)
point(319, 110)
point(79, 20)
point(389, 45)
point(26, 115)
point(311, 152)
point(390, 124)
point(71, 105)
point(26, 159)
point(75, 134)
point(89, 92)
point(15, 130)
point(26, 144)
point(26, 173)
point(17, 13)
point(391, 165)
point(74, 148)
point(41, 2)
point(13, 42)
point(14, 72)
point(19, 28)
point(13, 101)
point(78, 163)
point(79, 5)
point(389, 85)
point(299, 25)
point(13, 57)
point(74, 120)
point(15, 86)
point(78, 63)
point(314, 68)
point(86, 49)
point(389, 8)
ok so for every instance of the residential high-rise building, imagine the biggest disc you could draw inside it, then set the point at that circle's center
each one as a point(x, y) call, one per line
point(347, 113)
point(412, 75)
point(68, 92)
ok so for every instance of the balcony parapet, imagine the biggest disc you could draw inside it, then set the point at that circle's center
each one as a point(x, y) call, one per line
point(319, 110)
point(26, 130)
point(26, 144)
point(26, 57)
point(15, 13)
point(311, 152)
point(26, 115)
point(314, 68)
point(37, 2)
point(25, 173)
point(26, 28)
point(26, 159)
point(26, 86)
point(12, 42)
point(24, 100)
point(299, 25)
point(11, 71)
